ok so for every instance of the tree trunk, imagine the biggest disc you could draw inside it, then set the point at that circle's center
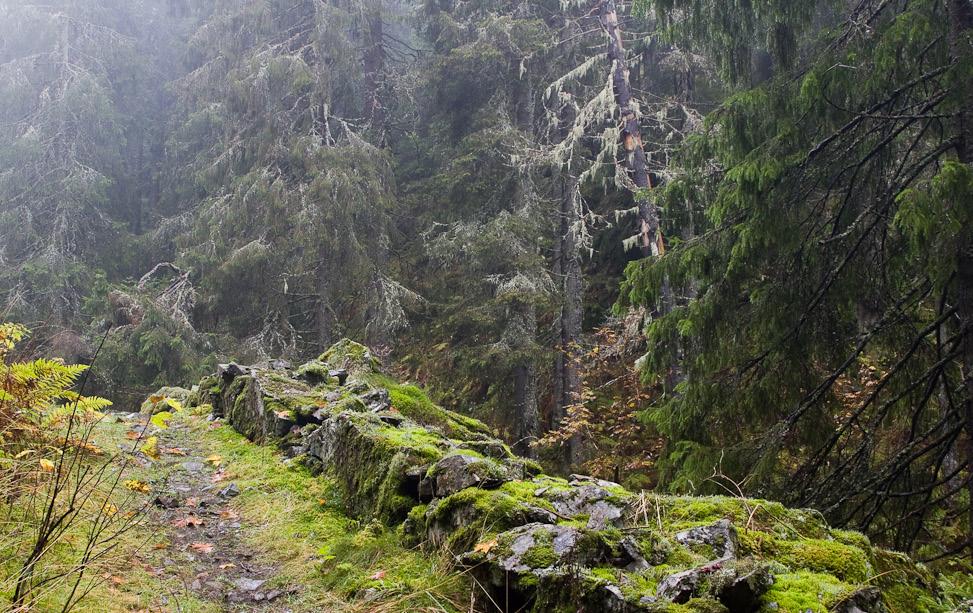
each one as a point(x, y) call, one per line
point(961, 50)
point(650, 240)
point(650, 234)
point(374, 63)
point(525, 382)
point(523, 315)
point(572, 312)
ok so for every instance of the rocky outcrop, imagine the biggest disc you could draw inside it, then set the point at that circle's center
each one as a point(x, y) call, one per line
point(534, 541)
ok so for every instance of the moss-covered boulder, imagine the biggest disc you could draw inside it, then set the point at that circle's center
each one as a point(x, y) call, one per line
point(542, 543)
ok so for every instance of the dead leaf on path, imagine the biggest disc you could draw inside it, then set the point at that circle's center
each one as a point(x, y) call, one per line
point(189, 521)
point(229, 514)
point(46, 465)
point(132, 435)
point(192, 501)
point(201, 547)
point(218, 476)
point(227, 565)
point(113, 578)
point(137, 486)
point(109, 509)
point(173, 451)
point(215, 425)
point(215, 459)
point(161, 545)
point(377, 576)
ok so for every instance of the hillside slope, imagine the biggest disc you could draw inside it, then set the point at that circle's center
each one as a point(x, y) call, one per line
point(536, 542)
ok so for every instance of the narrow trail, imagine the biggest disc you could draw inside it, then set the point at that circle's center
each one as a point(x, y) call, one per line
point(207, 553)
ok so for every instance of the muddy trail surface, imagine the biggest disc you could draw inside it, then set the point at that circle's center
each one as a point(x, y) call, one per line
point(206, 553)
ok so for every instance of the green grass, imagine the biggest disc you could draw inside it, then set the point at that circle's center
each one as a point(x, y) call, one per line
point(292, 519)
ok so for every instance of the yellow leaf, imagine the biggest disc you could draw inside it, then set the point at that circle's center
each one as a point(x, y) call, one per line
point(215, 460)
point(46, 465)
point(156, 398)
point(23, 453)
point(175, 404)
point(151, 447)
point(109, 509)
point(137, 486)
point(161, 420)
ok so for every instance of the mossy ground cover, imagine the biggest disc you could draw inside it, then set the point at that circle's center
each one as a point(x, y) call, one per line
point(127, 579)
point(294, 519)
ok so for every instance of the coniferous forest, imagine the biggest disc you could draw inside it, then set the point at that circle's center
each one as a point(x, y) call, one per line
point(486, 305)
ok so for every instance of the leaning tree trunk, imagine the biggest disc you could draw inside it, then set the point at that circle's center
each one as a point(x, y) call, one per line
point(650, 234)
point(961, 50)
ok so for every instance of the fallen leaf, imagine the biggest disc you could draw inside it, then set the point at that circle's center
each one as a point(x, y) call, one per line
point(151, 447)
point(218, 476)
point(322, 501)
point(161, 419)
point(192, 501)
point(201, 547)
point(173, 451)
point(137, 486)
point(189, 521)
point(109, 509)
point(23, 453)
point(485, 546)
point(229, 514)
point(46, 465)
point(215, 425)
point(215, 460)
point(377, 576)
point(227, 565)
point(132, 435)
point(174, 404)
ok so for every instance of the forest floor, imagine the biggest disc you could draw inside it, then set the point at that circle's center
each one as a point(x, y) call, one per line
point(233, 526)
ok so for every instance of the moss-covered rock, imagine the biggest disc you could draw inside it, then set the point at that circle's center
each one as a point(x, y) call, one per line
point(544, 543)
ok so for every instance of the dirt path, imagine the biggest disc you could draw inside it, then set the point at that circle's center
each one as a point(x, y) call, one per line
point(206, 553)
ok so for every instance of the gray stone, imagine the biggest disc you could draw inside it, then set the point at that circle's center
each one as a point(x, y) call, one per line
point(681, 586)
point(864, 600)
point(246, 584)
point(721, 536)
point(230, 491)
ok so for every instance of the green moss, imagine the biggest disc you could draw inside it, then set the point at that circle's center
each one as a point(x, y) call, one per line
point(315, 370)
point(843, 561)
point(803, 591)
point(351, 356)
point(427, 444)
point(851, 538)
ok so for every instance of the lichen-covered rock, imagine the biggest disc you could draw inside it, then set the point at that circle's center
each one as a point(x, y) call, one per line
point(540, 543)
